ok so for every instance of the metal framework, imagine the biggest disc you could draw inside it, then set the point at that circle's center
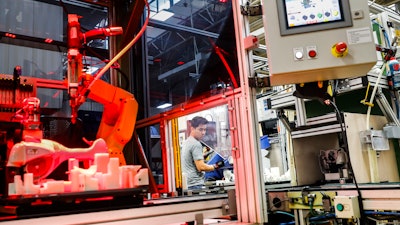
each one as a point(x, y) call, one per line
point(156, 212)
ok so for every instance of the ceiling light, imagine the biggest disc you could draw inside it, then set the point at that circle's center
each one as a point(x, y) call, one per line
point(164, 105)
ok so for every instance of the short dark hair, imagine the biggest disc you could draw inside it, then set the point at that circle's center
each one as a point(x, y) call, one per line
point(197, 121)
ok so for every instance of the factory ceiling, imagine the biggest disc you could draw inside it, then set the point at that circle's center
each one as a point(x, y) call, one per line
point(157, 35)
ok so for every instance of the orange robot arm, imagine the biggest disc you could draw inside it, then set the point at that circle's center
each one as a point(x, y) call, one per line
point(119, 116)
point(120, 107)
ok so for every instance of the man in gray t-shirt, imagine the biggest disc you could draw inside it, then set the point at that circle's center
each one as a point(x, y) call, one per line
point(192, 159)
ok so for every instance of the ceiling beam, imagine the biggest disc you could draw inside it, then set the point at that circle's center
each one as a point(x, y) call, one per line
point(386, 2)
point(182, 28)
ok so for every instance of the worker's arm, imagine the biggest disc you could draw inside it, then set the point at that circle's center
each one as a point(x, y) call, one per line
point(202, 166)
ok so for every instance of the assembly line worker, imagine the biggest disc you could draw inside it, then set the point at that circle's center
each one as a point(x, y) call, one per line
point(192, 158)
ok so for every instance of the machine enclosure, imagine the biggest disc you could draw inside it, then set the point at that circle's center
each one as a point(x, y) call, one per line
point(289, 55)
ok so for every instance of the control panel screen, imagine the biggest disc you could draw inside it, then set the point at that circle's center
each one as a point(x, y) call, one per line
point(300, 16)
point(301, 13)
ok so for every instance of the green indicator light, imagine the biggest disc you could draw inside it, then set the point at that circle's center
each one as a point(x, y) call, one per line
point(339, 207)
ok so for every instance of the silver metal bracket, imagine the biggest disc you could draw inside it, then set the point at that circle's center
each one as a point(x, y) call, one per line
point(376, 138)
point(343, 85)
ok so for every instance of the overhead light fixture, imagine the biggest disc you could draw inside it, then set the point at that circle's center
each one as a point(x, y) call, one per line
point(162, 15)
point(164, 105)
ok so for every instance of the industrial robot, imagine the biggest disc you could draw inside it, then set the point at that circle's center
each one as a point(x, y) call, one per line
point(118, 118)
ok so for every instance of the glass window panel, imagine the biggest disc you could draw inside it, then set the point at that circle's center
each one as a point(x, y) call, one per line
point(216, 142)
point(150, 138)
point(49, 24)
point(181, 43)
point(50, 98)
point(26, 17)
point(35, 62)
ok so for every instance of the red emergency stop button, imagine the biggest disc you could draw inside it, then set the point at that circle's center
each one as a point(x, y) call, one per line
point(339, 49)
point(312, 53)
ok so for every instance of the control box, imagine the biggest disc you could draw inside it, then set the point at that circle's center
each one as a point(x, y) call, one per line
point(346, 207)
point(317, 40)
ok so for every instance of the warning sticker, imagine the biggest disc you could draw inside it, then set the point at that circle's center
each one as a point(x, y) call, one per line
point(359, 36)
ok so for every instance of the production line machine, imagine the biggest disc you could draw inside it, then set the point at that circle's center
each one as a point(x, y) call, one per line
point(29, 160)
point(331, 185)
point(343, 165)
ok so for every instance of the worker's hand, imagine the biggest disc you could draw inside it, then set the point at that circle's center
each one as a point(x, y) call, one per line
point(219, 164)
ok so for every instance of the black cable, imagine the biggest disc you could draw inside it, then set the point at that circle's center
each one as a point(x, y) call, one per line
point(340, 120)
